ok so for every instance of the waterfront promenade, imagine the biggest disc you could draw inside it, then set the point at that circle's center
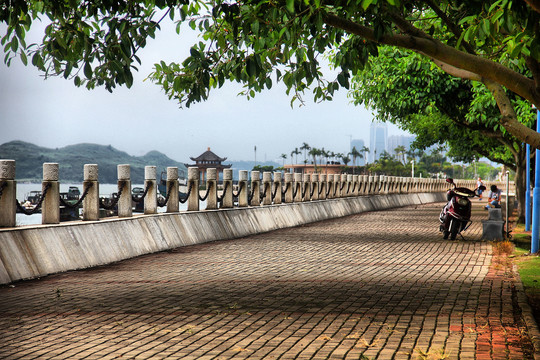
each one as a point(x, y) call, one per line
point(378, 285)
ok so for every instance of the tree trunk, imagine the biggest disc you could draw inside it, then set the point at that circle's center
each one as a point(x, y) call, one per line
point(520, 185)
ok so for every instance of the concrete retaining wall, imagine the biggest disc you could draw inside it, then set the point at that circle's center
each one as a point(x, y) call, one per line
point(31, 252)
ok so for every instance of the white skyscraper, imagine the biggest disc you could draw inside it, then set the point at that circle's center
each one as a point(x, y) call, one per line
point(377, 140)
point(399, 140)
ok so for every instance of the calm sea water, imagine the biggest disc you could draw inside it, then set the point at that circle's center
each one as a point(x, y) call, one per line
point(105, 190)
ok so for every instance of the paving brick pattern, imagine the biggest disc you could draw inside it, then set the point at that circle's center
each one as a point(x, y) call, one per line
point(381, 285)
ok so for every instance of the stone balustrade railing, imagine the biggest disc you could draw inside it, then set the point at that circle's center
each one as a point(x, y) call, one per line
point(272, 189)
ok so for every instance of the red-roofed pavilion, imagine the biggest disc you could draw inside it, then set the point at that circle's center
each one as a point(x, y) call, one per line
point(209, 160)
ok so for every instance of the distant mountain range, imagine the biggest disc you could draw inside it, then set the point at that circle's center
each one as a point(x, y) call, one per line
point(71, 159)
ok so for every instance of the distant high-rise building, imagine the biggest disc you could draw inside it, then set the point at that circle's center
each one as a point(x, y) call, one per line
point(399, 140)
point(377, 140)
point(359, 145)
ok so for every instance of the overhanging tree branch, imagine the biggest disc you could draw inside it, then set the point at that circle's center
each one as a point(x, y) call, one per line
point(454, 71)
point(508, 116)
point(451, 25)
point(534, 4)
point(486, 68)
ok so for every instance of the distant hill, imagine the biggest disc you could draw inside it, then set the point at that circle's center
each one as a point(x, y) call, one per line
point(71, 159)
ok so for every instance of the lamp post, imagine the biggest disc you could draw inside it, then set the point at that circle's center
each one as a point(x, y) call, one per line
point(412, 170)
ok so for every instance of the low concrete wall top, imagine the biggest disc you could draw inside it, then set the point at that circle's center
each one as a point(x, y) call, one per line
point(31, 252)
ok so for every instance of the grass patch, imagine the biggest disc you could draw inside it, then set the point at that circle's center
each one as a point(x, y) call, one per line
point(528, 267)
point(522, 240)
point(529, 272)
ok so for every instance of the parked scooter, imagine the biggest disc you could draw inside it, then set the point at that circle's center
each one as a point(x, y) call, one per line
point(456, 214)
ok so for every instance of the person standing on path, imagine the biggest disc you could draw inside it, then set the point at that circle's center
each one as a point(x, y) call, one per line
point(479, 191)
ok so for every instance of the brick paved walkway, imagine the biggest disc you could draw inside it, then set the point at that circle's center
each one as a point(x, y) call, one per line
point(380, 285)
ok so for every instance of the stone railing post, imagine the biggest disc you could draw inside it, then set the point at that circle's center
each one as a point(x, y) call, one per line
point(211, 188)
point(376, 185)
point(364, 184)
point(150, 182)
point(267, 188)
point(91, 201)
point(306, 188)
point(383, 180)
point(8, 194)
point(50, 208)
point(125, 208)
point(173, 204)
point(243, 190)
point(323, 186)
point(369, 186)
point(336, 192)
point(350, 186)
point(391, 184)
point(277, 188)
point(297, 187)
point(227, 194)
point(289, 188)
point(343, 185)
point(255, 188)
point(329, 186)
point(315, 186)
point(193, 183)
point(355, 185)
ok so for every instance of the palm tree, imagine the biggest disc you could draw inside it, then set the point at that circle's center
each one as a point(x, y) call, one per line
point(365, 150)
point(400, 153)
point(345, 159)
point(314, 152)
point(306, 148)
point(355, 154)
point(295, 152)
point(324, 154)
point(284, 157)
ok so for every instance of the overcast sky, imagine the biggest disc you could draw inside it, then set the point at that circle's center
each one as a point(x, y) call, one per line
point(54, 113)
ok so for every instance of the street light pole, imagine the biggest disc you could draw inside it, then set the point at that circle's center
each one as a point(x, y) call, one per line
point(412, 170)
